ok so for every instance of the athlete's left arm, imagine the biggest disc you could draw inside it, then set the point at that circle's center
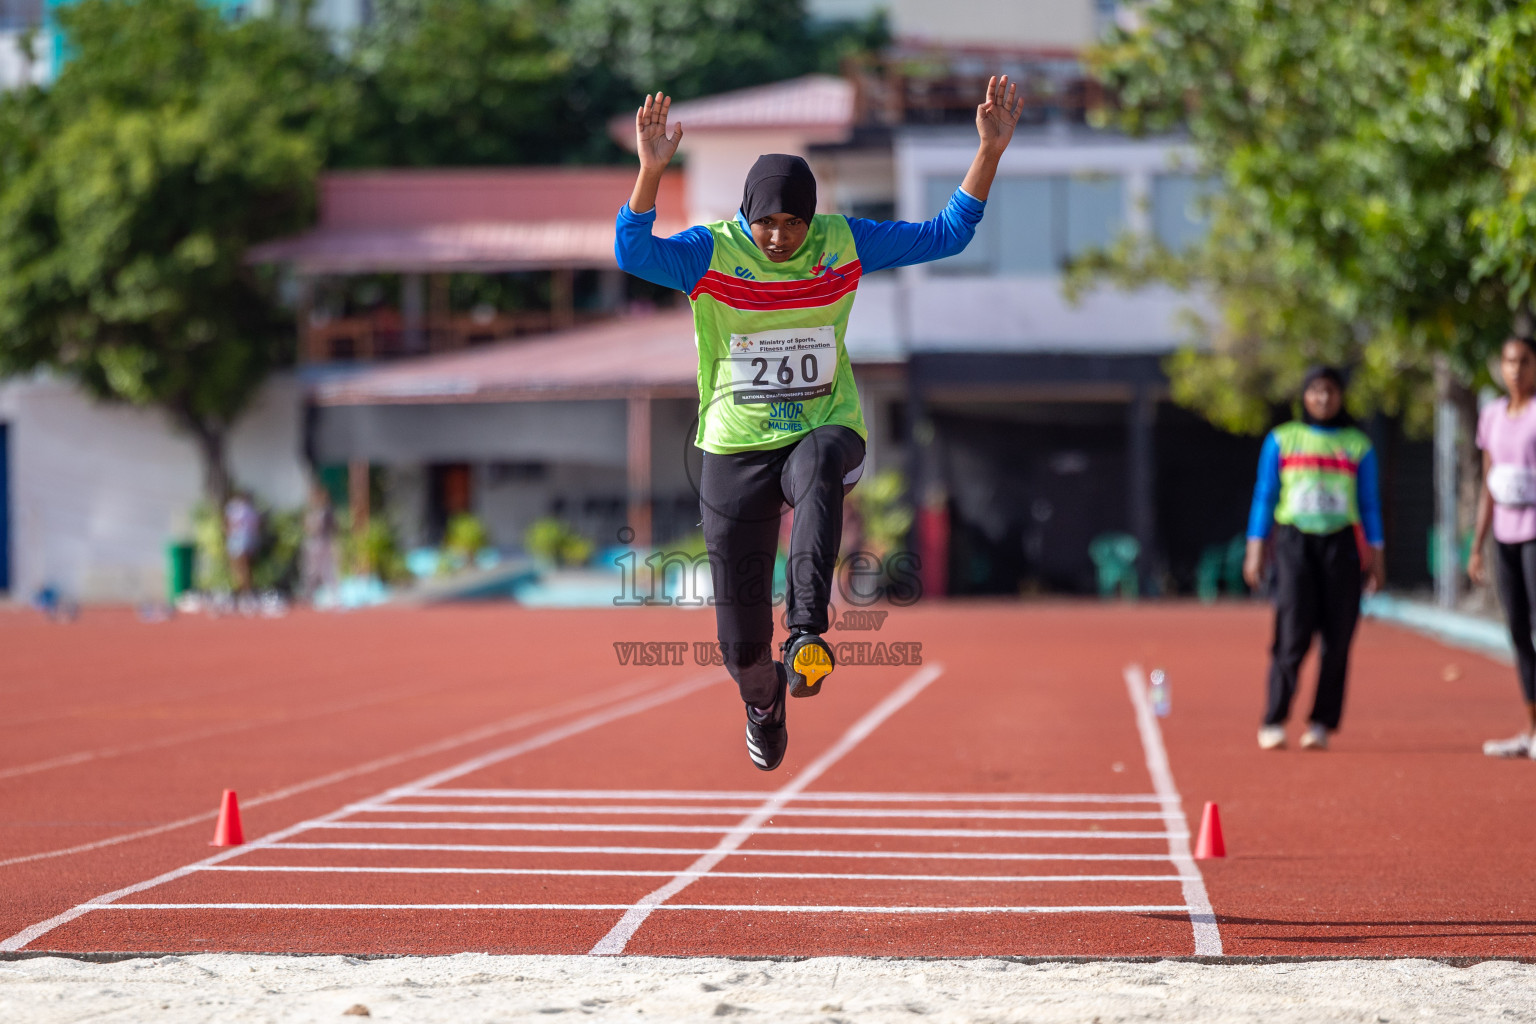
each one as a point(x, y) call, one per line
point(884, 244)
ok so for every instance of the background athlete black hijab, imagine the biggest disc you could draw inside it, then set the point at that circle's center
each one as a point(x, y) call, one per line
point(779, 183)
point(1333, 373)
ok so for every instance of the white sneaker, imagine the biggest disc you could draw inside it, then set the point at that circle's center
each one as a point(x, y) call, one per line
point(1272, 737)
point(1515, 746)
point(1315, 738)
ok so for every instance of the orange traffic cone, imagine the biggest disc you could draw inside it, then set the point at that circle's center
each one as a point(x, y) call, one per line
point(1210, 844)
point(228, 832)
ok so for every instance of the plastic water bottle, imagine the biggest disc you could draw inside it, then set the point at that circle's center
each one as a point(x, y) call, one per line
point(1162, 695)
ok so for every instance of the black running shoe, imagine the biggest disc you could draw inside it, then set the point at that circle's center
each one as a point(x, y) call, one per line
point(808, 660)
point(767, 732)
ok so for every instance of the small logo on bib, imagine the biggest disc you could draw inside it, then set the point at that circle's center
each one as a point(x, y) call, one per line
point(824, 265)
point(745, 274)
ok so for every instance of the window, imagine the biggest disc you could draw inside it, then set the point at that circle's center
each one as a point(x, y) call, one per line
point(1176, 218)
point(1035, 223)
point(1095, 210)
point(1022, 209)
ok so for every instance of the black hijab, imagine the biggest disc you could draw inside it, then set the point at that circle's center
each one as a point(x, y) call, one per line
point(1333, 373)
point(779, 183)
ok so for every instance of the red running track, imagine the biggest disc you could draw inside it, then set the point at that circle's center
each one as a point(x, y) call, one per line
point(493, 779)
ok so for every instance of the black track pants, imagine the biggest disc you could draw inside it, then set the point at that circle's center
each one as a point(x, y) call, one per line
point(1317, 591)
point(1515, 577)
point(742, 497)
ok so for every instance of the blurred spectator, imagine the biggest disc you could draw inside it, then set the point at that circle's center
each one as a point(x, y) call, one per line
point(319, 558)
point(242, 531)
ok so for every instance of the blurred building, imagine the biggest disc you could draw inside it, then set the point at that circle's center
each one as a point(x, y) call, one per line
point(1064, 24)
point(468, 335)
point(32, 47)
point(26, 51)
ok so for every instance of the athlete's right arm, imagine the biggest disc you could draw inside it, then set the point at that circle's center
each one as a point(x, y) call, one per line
point(676, 262)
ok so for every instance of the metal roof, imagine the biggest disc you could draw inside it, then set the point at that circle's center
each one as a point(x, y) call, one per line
point(651, 353)
point(465, 220)
point(822, 104)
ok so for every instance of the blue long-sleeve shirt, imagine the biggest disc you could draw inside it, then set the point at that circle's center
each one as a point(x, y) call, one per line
point(1266, 494)
point(681, 260)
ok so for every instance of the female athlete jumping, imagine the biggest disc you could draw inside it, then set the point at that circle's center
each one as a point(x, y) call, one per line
point(779, 417)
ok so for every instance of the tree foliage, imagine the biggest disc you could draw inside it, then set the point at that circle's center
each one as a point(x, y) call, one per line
point(480, 82)
point(1371, 188)
point(460, 82)
point(129, 194)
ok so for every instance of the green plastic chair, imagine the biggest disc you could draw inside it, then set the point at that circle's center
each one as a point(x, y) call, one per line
point(1209, 571)
point(1464, 550)
point(1114, 557)
point(1232, 572)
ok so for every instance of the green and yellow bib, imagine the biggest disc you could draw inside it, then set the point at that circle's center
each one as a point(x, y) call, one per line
point(1318, 473)
point(772, 365)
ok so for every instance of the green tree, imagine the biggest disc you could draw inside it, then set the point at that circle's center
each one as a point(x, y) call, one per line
point(129, 192)
point(482, 82)
point(461, 82)
point(1363, 157)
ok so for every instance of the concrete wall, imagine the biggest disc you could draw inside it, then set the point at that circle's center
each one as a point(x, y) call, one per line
point(1034, 23)
point(97, 490)
point(15, 68)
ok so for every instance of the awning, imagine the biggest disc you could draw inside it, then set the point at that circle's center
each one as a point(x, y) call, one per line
point(447, 248)
point(470, 221)
point(647, 354)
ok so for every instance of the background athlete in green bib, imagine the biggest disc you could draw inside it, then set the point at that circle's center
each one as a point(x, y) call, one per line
point(779, 417)
point(1316, 489)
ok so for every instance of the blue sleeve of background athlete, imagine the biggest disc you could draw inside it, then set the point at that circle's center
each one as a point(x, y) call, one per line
point(1368, 498)
point(884, 244)
point(677, 262)
point(1266, 492)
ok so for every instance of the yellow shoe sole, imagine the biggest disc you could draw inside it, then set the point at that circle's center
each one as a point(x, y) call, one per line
point(811, 664)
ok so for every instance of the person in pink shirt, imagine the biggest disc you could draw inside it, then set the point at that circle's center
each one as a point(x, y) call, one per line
point(1506, 432)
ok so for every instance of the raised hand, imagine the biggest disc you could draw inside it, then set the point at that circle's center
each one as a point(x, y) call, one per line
point(999, 114)
point(652, 142)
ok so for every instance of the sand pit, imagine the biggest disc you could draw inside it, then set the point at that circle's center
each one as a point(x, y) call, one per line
point(471, 988)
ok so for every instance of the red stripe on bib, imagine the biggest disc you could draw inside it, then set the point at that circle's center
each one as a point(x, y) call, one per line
point(1333, 462)
point(753, 295)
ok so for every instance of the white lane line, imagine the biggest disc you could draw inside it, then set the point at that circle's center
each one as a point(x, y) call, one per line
point(1202, 917)
point(733, 908)
point(646, 702)
point(680, 851)
point(619, 935)
point(767, 830)
point(797, 812)
point(747, 794)
point(515, 722)
point(617, 873)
